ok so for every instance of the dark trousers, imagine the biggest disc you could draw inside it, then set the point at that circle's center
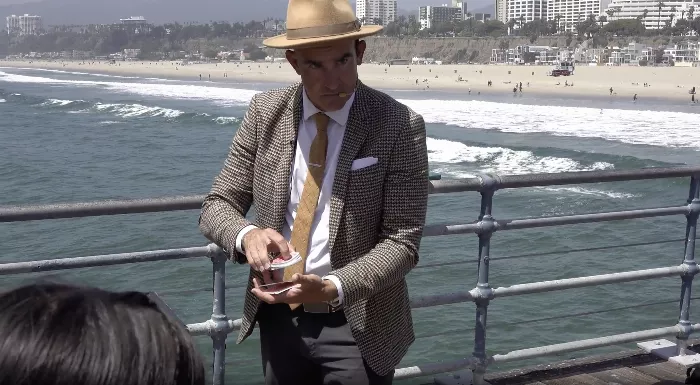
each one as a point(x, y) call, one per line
point(300, 348)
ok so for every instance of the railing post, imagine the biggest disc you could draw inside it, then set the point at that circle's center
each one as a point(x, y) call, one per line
point(483, 292)
point(689, 263)
point(218, 315)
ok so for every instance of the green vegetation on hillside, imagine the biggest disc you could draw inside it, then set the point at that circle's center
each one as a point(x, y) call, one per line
point(164, 41)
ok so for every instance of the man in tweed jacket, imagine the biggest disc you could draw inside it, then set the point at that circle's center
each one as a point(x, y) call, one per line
point(367, 228)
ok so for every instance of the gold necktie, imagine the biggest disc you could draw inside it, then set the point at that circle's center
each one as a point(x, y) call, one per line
point(301, 232)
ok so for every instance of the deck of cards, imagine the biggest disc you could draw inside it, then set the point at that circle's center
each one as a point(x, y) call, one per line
point(280, 263)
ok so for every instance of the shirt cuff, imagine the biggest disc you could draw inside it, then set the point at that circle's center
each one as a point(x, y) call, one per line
point(338, 286)
point(241, 234)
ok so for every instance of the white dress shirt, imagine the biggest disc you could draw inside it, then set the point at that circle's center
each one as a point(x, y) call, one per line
point(318, 260)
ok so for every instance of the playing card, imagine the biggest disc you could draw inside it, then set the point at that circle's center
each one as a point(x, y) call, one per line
point(280, 263)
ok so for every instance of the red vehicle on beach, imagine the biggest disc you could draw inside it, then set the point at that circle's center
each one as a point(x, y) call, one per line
point(563, 69)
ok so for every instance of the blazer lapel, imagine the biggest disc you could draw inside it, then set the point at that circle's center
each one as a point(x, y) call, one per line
point(354, 138)
point(289, 129)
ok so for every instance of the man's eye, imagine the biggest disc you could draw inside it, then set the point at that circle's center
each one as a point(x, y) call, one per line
point(314, 66)
point(344, 60)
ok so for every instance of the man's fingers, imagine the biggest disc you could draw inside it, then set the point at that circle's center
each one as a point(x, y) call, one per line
point(256, 259)
point(278, 240)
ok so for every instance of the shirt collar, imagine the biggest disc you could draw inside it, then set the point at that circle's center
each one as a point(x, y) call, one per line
point(340, 116)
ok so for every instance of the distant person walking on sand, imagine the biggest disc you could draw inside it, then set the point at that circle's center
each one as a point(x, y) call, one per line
point(634, 98)
point(611, 91)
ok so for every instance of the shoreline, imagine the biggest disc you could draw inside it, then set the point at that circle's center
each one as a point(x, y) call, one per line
point(668, 84)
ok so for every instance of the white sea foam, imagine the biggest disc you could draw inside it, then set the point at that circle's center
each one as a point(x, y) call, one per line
point(3, 100)
point(459, 160)
point(220, 95)
point(76, 73)
point(137, 110)
point(59, 102)
point(656, 128)
point(226, 120)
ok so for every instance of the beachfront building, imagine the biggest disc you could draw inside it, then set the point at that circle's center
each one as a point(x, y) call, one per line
point(526, 54)
point(24, 25)
point(525, 11)
point(482, 17)
point(631, 54)
point(686, 52)
point(501, 11)
point(430, 16)
point(570, 12)
point(653, 14)
point(380, 12)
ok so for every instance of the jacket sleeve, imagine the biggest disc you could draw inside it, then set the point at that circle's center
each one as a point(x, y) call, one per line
point(405, 204)
point(225, 207)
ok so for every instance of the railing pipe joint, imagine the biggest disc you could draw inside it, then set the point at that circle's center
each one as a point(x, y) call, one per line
point(690, 268)
point(482, 295)
point(489, 182)
point(214, 251)
point(684, 329)
point(486, 226)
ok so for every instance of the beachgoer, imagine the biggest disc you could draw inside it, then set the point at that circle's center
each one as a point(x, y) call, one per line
point(354, 313)
point(634, 98)
point(611, 90)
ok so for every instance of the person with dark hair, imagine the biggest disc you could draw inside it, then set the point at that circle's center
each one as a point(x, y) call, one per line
point(56, 334)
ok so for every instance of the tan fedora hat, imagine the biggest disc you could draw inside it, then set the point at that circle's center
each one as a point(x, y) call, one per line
point(312, 22)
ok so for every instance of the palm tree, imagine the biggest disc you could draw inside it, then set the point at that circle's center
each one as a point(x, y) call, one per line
point(660, 5)
point(610, 12)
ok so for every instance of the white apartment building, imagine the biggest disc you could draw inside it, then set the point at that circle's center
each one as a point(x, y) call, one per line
point(525, 11)
point(571, 12)
point(501, 11)
point(655, 18)
point(430, 16)
point(24, 25)
point(376, 11)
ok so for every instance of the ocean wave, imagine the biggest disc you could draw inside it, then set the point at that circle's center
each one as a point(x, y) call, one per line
point(655, 128)
point(459, 160)
point(223, 96)
point(129, 110)
point(137, 110)
point(75, 73)
point(3, 100)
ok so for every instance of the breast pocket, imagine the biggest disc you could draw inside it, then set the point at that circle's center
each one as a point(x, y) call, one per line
point(364, 196)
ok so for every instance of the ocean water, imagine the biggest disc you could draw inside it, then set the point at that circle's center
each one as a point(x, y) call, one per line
point(69, 137)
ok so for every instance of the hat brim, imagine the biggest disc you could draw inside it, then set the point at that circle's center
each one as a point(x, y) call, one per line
point(281, 41)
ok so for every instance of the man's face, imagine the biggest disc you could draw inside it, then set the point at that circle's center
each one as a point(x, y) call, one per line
point(328, 72)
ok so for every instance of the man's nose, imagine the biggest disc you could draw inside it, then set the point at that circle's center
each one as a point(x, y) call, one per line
point(332, 80)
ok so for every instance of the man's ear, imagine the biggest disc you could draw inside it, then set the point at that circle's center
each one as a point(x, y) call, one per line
point(292, 59)
point(360, 48)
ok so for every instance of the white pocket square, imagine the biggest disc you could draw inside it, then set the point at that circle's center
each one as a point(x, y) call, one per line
point(363, 163)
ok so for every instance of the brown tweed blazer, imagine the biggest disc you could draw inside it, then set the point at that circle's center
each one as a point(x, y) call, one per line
point(377, 212)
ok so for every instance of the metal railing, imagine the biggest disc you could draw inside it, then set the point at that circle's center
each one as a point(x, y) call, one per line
point(220, 325)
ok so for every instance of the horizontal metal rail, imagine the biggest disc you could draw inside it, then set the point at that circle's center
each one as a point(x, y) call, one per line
point(529, 223)
point(482, 183)
point(592, 343)
point(498, 182)
point(594, 280)
point(106, 260)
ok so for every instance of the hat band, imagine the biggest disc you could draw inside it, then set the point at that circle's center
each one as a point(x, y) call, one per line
point(323, 30)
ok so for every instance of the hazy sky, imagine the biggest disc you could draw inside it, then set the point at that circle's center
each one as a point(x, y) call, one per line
point(10, 2)
point(159, 11)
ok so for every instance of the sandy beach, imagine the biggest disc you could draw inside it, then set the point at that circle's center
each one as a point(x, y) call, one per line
point(664, 82)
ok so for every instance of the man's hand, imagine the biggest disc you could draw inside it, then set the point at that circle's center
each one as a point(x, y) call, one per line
point(307, 289)
point(258, 242)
